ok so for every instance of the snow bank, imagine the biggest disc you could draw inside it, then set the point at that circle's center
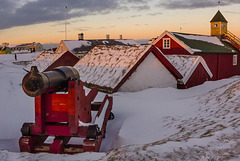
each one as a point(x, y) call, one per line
point(200, 123)
point(16, 107)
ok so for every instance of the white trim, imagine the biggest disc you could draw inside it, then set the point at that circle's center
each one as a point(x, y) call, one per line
point(175, 39)
point(196, 63)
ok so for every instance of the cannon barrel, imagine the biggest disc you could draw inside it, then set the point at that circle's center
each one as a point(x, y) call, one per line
point(35, 83)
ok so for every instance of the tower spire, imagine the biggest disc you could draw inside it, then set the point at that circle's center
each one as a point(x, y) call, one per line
point(218, 4)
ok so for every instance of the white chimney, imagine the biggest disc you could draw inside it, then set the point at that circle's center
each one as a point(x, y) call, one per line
point(80, 36)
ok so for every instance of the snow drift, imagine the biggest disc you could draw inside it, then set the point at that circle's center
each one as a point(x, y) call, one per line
point(200, 123)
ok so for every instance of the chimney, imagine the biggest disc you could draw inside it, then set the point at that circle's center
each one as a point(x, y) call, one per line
point(120, 37)
point(107, 37)
point(80, 36)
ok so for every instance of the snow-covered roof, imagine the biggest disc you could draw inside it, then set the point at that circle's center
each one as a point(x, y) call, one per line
point(106, 66)
point(203, 43)
point(127, 41)
point(22, 45)
point(83, 46)
point(44, 60)
point(13, 45)
point(209, 39)
point(194, 43)
point(72, 44)
point(186, 65)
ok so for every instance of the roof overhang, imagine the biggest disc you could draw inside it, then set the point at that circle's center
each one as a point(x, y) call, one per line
point(198, 61)
point(187, 48)
point(160, 56)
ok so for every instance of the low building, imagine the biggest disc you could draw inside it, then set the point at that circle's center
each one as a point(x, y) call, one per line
point(5, 50)
point(48, 60)
point(81, 47)
point(26, 48)
point(135, 68)
point(221, 50)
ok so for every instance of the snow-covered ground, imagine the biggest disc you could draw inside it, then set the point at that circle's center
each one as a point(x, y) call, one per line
point(200, 123)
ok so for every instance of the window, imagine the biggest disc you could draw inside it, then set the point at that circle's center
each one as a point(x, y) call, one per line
point(215, 25)
point(166, 43)
point(234, 59)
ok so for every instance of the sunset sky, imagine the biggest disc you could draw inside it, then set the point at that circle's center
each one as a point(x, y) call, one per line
point(42, 21)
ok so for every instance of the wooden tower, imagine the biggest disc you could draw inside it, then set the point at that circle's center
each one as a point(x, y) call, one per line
point(218, 24)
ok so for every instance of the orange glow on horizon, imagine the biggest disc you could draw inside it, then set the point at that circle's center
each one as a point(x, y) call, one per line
point(115, 24)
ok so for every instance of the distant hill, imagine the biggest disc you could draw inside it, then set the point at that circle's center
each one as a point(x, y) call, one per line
point(142, 41)
point(50, 45)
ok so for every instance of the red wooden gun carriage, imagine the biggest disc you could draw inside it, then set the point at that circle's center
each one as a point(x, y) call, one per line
point(62, 110)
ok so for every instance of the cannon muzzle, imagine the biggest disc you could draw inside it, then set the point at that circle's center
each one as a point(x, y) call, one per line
point(35, 83)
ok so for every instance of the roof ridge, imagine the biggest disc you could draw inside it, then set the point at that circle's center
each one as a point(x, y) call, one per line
point(191, 34)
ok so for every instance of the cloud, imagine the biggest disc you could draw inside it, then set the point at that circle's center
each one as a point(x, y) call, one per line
point(193, 4)
point(13, 13)
point(138, 25)
point(27, 12)
point(141, 8)
point(104, 27)
point(82, 28)
point(232, 12)
point(60, 23)
point(134, 16)
point(155, 13)
point(128, 17)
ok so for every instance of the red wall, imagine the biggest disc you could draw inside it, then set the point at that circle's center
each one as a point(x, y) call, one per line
point(226, 68)
point(67, 59)
point(175, 48)
point(199, 76)
point(221, 65)
point(212, 62)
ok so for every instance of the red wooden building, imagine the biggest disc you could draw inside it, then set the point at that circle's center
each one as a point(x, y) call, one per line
point(135, 68)
point(220, 50)
point(48, 60)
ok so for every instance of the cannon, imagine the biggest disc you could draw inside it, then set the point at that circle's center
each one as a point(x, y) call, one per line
point(35, 83)
point(63, 111)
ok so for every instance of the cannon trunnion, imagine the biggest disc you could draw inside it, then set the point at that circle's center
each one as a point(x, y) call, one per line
point(63, 115)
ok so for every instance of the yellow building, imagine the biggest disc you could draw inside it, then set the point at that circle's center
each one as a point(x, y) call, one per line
point(5, 43)
point(5, 50)
point(218, 24)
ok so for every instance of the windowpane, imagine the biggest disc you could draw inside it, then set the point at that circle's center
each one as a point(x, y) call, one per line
point(166, 43)
point(234, 59)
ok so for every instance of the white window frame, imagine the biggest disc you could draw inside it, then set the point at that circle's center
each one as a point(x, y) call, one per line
point(166, 43)
point(215, 25)
point(235, 60)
